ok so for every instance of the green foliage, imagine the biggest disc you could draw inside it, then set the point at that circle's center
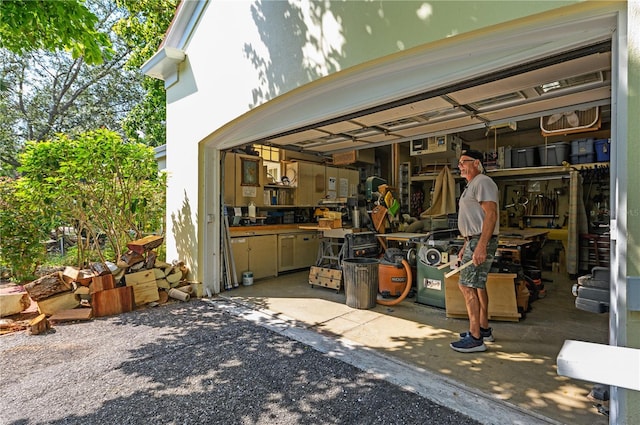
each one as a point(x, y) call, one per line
point(52, 25)
point(104, 186)
point(143, 30)
point(23, 227)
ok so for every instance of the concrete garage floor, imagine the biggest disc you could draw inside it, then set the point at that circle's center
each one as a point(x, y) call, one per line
point(519, 367)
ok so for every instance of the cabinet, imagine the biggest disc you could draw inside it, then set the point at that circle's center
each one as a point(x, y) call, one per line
point(297, 250)
point(310, 182)
point(237, 168)
point(257, 254)
point(341, 182)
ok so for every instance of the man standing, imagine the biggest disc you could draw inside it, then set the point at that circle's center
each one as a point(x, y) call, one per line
point(478, 224)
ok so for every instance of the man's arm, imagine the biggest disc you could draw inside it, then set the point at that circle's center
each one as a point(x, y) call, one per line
point(488, 224)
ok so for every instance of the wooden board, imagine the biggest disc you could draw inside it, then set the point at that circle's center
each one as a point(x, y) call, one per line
point(100, 283)
point(145, 244)
point(13, 303)
point(51, 305)
point(113, 301)
point(70, 274)
point(501, 290)
point(325, 277)
point(145, 292)
point(140, 277)
point(73, 315)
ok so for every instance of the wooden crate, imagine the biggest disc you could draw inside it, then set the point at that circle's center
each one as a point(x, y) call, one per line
point(501, 289)
point(330, 223)
point(325, 277)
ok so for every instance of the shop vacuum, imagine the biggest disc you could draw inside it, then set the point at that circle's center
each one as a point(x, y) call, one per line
point(392, 276)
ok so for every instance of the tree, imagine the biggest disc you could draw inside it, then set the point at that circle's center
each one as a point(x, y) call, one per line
point(53, 25)
point(44, 93)
point(143, 31)
point(105, 186)
point(23, 228)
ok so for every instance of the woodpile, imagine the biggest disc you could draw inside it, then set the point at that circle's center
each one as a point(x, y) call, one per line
point(136, 279)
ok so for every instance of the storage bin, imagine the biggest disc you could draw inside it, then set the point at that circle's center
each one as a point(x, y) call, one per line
point(602, 148)
point(581, 146)
point(504, 157)
point(523, 157)
point(554, 154)
point(583, 158)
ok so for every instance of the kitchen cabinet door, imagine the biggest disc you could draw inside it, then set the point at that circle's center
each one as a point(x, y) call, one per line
point(306, 249)
point(263, 256)
point(286, 252)
point(257, 254)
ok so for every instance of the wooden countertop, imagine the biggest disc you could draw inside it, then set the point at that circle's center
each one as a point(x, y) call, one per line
point(267, 229)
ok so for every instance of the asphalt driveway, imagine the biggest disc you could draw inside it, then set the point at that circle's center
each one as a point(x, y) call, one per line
point(194, 363)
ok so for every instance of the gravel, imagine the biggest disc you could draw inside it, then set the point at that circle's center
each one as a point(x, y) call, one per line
point(192, 363)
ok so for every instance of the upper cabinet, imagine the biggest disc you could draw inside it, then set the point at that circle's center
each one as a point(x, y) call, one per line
point(309, 177)
point(244, 180)
point(341, 183)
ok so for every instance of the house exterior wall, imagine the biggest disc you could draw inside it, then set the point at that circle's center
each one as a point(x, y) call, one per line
point(244, 54)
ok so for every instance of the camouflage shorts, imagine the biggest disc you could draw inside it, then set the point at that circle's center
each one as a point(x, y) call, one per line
point(476, 276)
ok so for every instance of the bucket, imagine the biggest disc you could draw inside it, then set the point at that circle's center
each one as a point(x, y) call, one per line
point(360, 282)
point(247, 278)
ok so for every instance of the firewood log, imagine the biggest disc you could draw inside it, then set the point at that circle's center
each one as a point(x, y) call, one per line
point(39, 325)
point(47, 286)
point(145, 244)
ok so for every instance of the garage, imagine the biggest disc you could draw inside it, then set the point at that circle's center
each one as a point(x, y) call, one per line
point(506, 113)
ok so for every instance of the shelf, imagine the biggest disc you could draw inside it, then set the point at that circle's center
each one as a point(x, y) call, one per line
point(431, 177)
point(541, 216)
point(277, 186)
point(548, 170)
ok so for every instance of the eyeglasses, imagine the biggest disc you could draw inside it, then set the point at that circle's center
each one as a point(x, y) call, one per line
point(462, 161)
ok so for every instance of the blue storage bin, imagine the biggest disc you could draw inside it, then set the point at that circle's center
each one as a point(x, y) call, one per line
point(584, 158)
point(602, 148)
point(554, 154)
point(581, 146)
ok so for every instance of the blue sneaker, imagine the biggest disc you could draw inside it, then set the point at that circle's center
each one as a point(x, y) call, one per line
point(468, 344)
point(486, 334)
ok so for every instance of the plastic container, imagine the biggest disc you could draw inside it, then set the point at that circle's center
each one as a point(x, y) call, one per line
point(523, 157)
point(247, 278)
point(360, 282)
point(553, 154)
point(581, 146)
point(602, 148)
point(583, 158)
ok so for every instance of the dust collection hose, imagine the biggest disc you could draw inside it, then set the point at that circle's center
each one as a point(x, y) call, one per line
point(407, 287)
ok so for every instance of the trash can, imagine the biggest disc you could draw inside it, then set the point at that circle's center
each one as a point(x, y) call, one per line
point(360, 282)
